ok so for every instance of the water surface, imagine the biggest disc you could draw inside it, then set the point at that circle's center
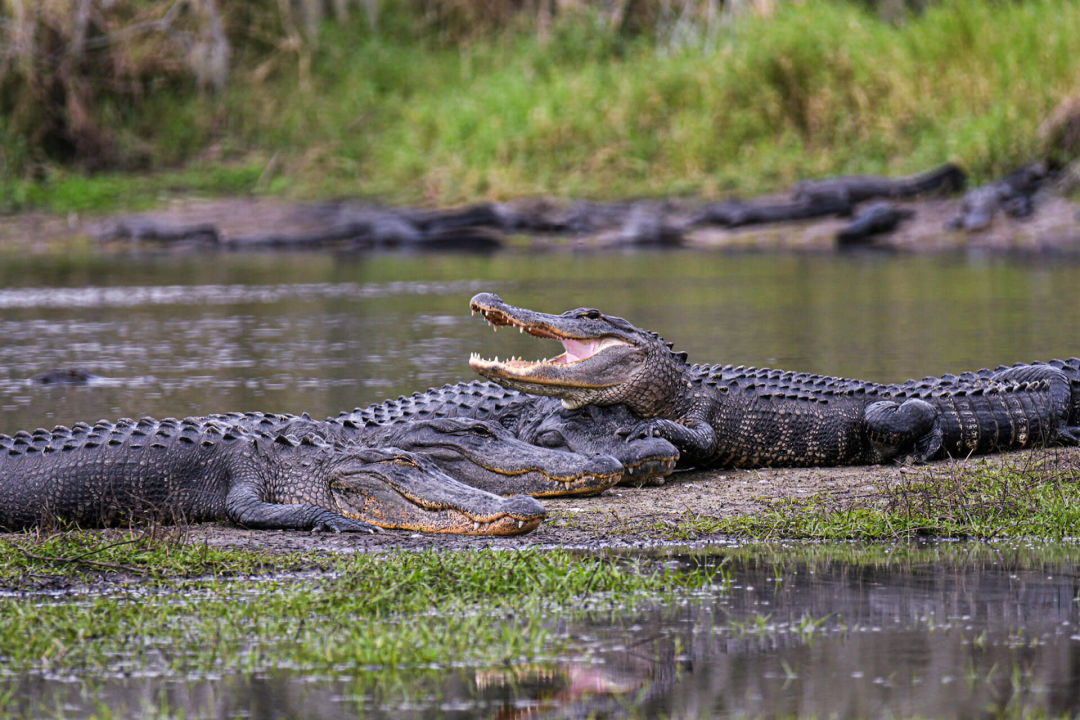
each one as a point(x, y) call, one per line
point(810, 631)
point(190, 335)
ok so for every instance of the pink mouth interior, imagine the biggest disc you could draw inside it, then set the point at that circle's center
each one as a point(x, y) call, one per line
point(577, 350)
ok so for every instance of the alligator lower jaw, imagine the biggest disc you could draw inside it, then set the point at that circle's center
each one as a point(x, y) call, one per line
point(533, 373)
point(457, 523)
point(648, 470)
point(537, 484)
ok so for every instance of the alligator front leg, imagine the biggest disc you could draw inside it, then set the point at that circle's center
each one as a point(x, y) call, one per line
point(911, 431)
point(695, 439)
point(244, 507)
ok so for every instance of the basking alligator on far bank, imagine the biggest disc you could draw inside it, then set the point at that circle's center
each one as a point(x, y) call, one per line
point(192, 471)
point(478, 453)
point(744, 417)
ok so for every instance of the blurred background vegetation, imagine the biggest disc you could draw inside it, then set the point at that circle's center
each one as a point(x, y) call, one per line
point(108, 104)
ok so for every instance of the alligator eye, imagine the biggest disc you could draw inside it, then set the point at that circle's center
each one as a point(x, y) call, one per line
point(550, 439)
point(592, 314)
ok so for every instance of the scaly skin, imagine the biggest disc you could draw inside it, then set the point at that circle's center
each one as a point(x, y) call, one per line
point(535, 420)
point(478, 453)
point(746, 417)
point(193, 471)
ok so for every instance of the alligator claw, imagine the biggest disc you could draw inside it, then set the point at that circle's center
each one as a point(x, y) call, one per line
point(344, 524)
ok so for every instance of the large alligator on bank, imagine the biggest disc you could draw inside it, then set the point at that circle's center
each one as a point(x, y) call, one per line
point(480, 453)
point(733, 416)
point(191, 471)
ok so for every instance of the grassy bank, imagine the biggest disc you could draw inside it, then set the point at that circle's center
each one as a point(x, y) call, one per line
point(1024, 495)
point(586, 109)
point(233, 610)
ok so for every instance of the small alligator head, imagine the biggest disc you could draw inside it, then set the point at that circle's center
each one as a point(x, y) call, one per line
point(485, 455)
point(392, 488)
point(606, 361)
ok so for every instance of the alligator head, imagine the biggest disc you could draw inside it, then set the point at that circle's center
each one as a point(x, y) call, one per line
point(393, 488)
point(592, 429)
point(606, 360)
point(487, 456)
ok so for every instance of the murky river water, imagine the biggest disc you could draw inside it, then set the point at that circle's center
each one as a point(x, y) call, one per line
point(799, 631)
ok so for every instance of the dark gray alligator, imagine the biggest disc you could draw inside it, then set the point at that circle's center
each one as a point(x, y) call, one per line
point(1013, 194)
point(857, 188)
point(536, 420)
point(722, 415)
point(192, 471)
point(482, 454)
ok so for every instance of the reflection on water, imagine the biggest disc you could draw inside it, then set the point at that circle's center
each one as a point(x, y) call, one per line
point(952, 630)
point(192, 335)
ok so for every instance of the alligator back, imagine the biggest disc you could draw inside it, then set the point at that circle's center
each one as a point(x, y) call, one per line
point(766, 416)
point(109, 473)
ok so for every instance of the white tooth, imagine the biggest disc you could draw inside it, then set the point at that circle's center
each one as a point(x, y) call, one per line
point(476, 526)
point(520, 329)
point(472, 312)
point(521, 524)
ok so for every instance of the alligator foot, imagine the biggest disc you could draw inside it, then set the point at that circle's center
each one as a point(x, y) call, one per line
point(695, 439)
point(910, 432)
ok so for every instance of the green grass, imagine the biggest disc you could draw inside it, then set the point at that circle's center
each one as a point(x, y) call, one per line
point(198, 609)
point(817, 88)
point(1033, 495)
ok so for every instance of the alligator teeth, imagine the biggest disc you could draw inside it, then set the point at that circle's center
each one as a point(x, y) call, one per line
point(521, 524)
point(476, 525)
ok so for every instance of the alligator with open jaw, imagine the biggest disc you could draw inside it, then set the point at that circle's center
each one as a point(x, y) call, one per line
point(746, 417)
point(192, 471)
point(478, 453)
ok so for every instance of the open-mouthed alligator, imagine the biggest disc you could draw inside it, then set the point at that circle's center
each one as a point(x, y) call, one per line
point(197, 470)
point(480, 453)
point(722, 415)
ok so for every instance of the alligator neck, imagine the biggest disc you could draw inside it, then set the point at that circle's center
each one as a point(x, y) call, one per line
point(662, 389)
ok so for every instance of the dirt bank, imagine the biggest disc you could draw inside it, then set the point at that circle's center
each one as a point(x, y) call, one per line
point(620, 517)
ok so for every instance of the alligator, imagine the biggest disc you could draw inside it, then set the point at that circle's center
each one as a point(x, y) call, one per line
point(875, 218)
point(478, 453)
point(537, 420)
point(1013, 194)
point(734, 416)
point(193, 471)
point(857, 188)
